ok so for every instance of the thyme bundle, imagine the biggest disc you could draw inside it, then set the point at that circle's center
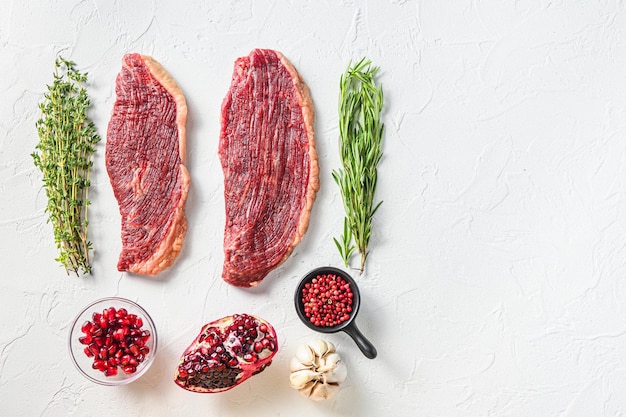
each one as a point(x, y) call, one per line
point(360, 133)
point(67, 141)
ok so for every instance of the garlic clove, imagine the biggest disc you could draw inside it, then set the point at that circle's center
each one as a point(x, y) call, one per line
point(321, 347)
point(338, 373)
point(323, 391)
point(296, 365)
point(307, 389)
point(299, 379)
point(328, 362)
point(305, 355)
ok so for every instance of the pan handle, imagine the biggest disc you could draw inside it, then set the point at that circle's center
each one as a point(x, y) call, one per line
point(365, 345)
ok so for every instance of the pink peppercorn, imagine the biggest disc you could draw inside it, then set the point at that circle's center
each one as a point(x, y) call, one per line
point(327, 300)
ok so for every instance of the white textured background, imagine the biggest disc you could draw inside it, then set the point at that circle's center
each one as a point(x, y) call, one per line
point(495, 285)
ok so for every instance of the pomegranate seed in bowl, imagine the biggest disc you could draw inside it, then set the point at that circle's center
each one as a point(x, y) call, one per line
point(113, 341)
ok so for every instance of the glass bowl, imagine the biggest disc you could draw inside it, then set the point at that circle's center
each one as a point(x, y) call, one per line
point(85, 363)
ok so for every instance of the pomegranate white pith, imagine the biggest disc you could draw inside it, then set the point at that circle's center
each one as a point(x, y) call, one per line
point(225, 353)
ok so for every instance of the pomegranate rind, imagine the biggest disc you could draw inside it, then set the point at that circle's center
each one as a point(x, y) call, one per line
point(234, 346)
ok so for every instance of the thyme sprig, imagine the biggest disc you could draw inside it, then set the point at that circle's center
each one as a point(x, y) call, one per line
point(360, 143)
point(67, 141)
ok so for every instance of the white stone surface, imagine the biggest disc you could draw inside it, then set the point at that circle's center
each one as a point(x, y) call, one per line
point(495, 284)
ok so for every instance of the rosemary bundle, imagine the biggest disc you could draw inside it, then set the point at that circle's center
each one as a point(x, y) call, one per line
point(67, 141)
point(360, 134)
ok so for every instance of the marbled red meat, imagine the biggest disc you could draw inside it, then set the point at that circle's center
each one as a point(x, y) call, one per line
point(267, 151)
point(145, 157)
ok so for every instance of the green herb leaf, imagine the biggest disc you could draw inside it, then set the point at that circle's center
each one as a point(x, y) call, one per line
point(66, 145)
point(360, 139)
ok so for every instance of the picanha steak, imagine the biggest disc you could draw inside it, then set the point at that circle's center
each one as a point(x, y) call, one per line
point(145, 159)
point(267, 152)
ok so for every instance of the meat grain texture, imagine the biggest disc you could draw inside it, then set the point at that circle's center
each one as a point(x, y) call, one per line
point(267, 152)
point(145, 160)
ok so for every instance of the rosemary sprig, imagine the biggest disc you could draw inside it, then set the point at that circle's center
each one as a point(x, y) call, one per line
point(66, 145)
point(360, 134)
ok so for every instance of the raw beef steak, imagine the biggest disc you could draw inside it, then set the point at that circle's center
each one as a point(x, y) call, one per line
point(145, 157)
point(267, 152)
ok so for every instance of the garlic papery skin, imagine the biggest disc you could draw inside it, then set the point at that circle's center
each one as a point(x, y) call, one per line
point(317, 370)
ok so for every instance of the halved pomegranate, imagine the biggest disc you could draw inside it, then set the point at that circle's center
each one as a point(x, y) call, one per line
point(226, 352)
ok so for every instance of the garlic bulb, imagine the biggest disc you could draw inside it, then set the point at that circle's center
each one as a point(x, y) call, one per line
point(317, 370)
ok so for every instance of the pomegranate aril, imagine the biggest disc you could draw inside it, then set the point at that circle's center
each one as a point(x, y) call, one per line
point(103, 322)
point(103, 354)
point(88, 352)
point(118, 334)
point(134, 350)
point(111, 371)
point(111, 350)
point(109, 313)
point(86, 327)
point(85, 340)
point(93, 348)
point(129, 369)
point(250, 357)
